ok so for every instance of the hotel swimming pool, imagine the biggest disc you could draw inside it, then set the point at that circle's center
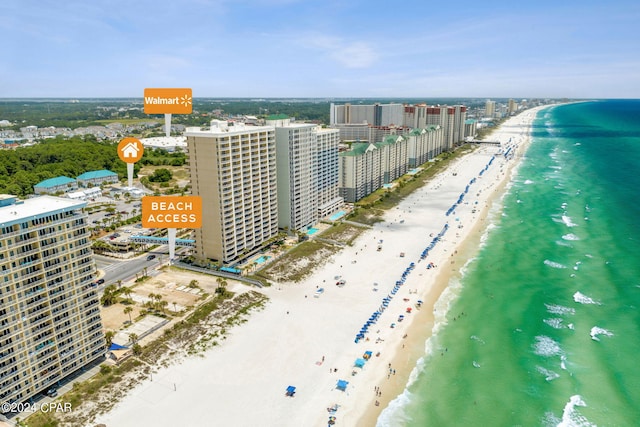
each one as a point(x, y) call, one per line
point(336, 216)
point(312, 231)
point(262, 259)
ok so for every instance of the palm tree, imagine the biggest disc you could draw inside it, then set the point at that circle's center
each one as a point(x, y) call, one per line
point(127, 310)
point(108, 337)
point(133, 337)
point(109, 295)
point(222, 285)
point(125, 290)
point(162, 304)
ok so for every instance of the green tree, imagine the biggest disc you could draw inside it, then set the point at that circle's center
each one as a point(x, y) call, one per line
point(108, 337)
point(127, 310)
point(133, 337)
point(161, 175)
point(110, 295)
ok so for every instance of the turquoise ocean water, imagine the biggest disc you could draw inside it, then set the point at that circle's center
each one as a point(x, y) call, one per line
point(543, 328)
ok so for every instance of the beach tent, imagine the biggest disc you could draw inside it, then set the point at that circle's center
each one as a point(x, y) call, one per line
point(342, 385)
point(291, 390)
point(115, 346)
point(359, 363)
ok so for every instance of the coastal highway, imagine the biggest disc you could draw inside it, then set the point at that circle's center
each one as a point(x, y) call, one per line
point(123, 270)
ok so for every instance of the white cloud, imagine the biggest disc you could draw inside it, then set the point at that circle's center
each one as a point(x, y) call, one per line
point(350, 54)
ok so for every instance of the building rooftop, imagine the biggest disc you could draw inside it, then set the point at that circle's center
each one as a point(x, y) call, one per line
point(96, 174)
point(54, 182)
point(358, 149)
point(219, 128)
point(277, 117)
point(35, 207)
point(165, 141)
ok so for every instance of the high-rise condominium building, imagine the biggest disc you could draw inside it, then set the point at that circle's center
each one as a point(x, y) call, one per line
point(49, 317)
point(296, 164)
point(451, 119)
point(490, 109)
point(307, 164)
point(372, 114)
point(327, 171)
point(233, 169)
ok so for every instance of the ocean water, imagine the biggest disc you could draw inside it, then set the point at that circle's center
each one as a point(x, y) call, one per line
point(543, 328)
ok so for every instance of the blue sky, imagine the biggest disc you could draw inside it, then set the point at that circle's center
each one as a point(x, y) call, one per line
point(328, 48)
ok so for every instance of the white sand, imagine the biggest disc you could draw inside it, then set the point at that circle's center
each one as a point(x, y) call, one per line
point(243, 381)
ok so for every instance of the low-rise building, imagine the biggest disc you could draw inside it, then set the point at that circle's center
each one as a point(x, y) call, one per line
point(59, 184)
point(97, 178)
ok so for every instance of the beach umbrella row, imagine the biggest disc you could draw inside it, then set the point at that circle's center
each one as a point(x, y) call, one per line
point(384, 304)
point(435, 240)
point(467, 188)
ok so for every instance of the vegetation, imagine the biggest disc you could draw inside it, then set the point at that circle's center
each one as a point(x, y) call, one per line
point(162, 157)
point(200, 330)
point(161, 175)
point(24, 167)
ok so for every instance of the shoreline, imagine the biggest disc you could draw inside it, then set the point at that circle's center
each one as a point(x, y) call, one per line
point(308, 342)
point(421, 328)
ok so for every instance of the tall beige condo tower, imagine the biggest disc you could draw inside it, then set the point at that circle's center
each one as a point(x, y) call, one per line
point(490, 109)
point(50, 323)
point(233, 169)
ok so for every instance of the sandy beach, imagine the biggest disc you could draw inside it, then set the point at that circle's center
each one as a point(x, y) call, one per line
point(308, 341)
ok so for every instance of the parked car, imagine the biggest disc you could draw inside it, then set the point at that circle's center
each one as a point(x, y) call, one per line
point(150, 257)
point(52, 392)
point(100, 281)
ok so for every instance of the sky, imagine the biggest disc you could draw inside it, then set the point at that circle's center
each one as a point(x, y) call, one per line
point(326, 49)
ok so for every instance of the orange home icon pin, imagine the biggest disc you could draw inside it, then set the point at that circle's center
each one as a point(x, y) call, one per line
point(130, 150)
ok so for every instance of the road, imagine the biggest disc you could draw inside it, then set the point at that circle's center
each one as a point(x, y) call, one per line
point(124, 270)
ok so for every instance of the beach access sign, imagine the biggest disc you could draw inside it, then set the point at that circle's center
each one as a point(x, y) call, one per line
point(168, 101)
point(172, 212)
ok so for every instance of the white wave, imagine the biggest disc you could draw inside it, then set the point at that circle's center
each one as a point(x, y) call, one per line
point(570, 415)
point(563, 359)
point(583, 299)
point(596, 330)
point(476, 364)
point(394, 414)
point(528, 182)
point(548, 374)
point(554, 264)
point(559, 309)
point(465, 267)
point(492, 226)
point(567, 221)
point(555, 322)
point(547, 347)
point(480, 340)
point(571, 237)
